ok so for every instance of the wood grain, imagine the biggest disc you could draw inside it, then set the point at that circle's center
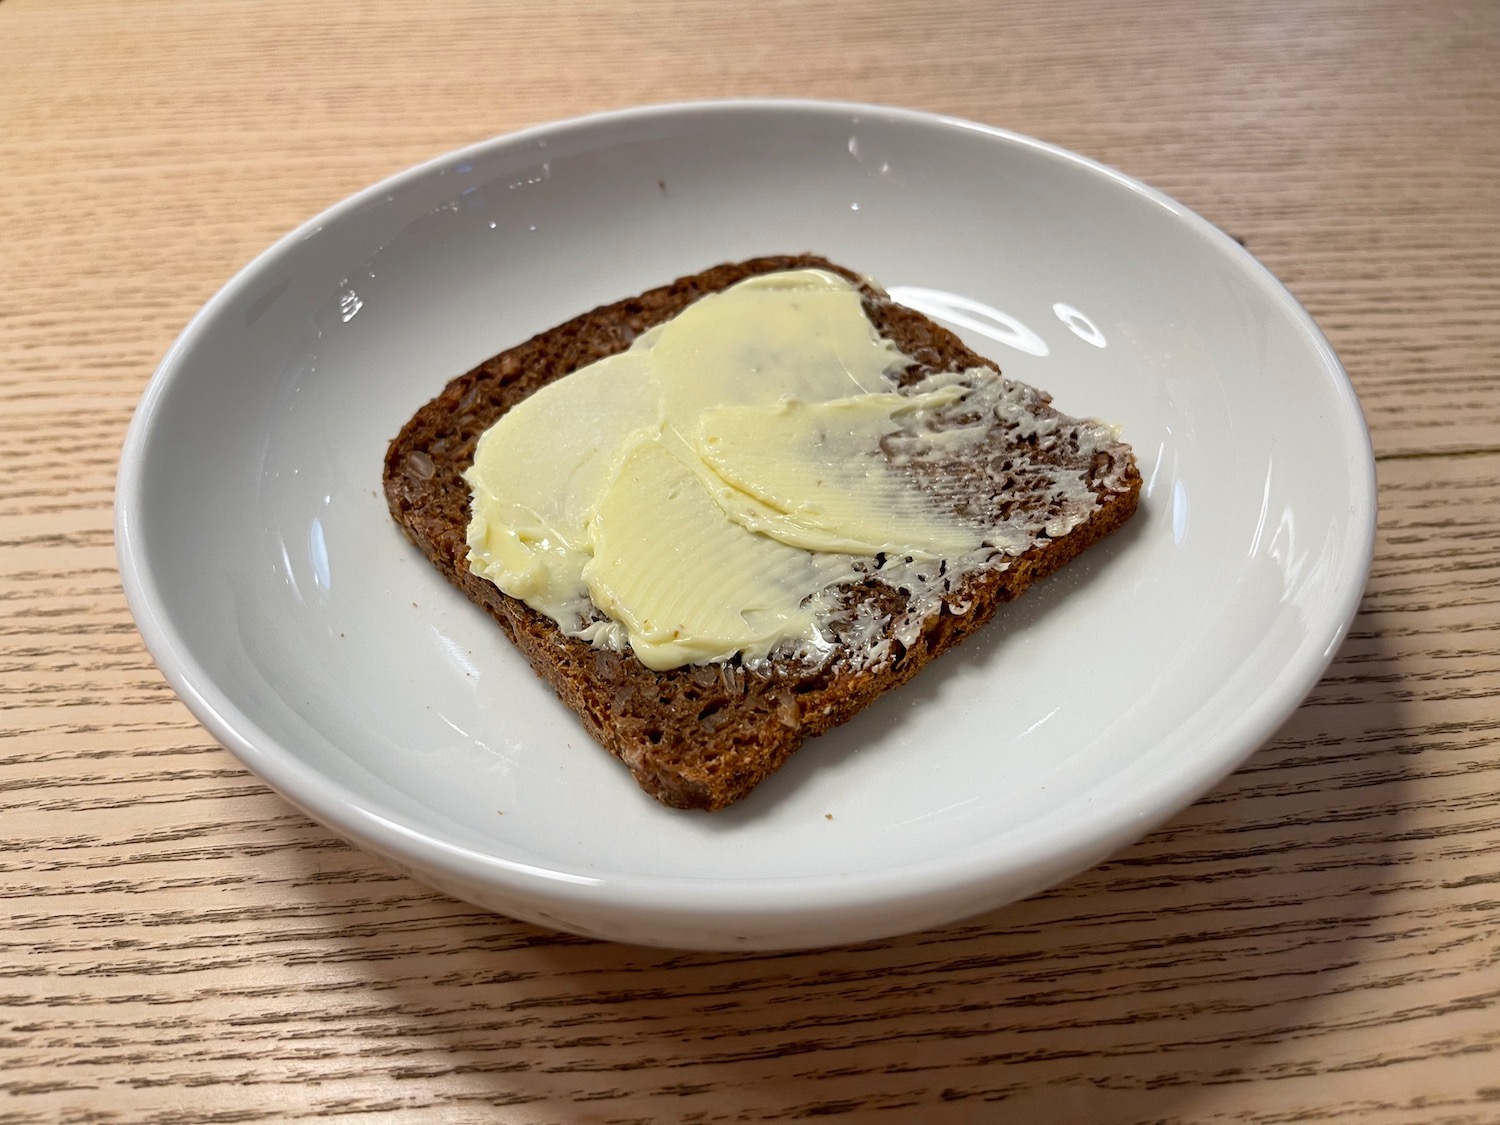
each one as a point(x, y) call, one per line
point(1316, 941)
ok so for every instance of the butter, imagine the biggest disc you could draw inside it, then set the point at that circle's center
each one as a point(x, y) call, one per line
point(815, 476)
point(802, 335)
point(707, 492)
point(537, 475)
point(688, 584)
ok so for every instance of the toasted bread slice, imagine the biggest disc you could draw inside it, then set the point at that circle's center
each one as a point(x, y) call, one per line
point(704, 736)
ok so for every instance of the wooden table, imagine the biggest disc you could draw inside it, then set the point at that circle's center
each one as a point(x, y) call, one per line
point(1318, 940)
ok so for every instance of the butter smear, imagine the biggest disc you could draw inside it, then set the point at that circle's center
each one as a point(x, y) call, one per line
point(709, 491)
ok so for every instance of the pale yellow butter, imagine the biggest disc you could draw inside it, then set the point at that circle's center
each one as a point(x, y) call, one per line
point(689, 585)
point(538, 473)
point(813, 475)
point(708, 490)
point(801, 334)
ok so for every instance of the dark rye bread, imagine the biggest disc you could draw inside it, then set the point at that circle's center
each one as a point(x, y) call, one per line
point(703, 737)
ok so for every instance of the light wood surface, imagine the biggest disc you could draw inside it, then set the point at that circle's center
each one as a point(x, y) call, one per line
point(1318, 940)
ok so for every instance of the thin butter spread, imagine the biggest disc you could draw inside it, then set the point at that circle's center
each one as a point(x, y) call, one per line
point(707, 492)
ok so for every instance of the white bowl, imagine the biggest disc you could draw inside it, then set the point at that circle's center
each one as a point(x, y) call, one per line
point(288, 611)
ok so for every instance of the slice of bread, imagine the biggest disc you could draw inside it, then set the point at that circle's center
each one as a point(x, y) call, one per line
point(704, 736)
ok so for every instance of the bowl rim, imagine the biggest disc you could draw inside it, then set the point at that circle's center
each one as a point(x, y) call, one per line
point(969, 870)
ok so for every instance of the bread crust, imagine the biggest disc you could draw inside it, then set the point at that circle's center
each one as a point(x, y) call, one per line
point(705, 736)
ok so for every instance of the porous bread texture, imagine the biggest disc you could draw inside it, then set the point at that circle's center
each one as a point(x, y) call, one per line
point(704, 736)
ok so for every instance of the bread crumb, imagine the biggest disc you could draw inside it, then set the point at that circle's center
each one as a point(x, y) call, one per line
point(828, 816)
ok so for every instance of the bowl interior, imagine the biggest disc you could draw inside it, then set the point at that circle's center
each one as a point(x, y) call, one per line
point(288, 608)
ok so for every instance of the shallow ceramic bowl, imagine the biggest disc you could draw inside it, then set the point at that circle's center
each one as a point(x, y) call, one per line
point(294, 619)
